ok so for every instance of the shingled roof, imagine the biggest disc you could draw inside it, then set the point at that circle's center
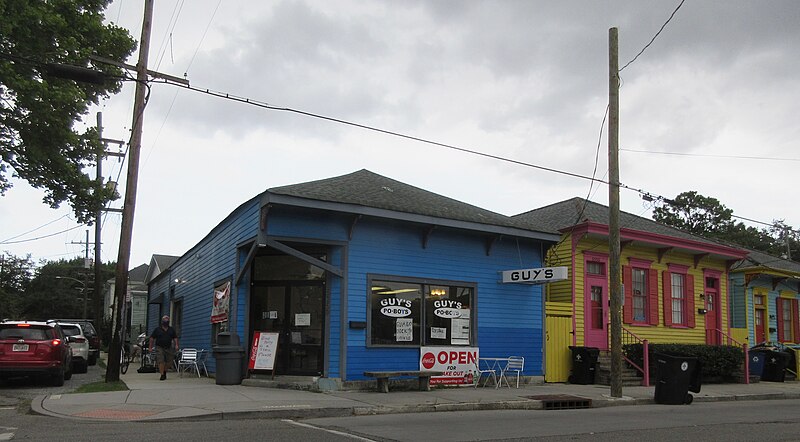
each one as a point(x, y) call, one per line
point(565, 214)
point(759, 260)
point(368, 189)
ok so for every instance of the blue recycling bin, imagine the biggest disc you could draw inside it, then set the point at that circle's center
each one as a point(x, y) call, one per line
point(757, 362)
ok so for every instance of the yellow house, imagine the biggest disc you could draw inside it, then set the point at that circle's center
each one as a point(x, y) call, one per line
point(675, 283)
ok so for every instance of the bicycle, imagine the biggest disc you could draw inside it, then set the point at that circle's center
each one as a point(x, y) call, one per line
point(124, 360)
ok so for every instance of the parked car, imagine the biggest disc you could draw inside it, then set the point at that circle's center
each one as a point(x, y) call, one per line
point(91, 334)
point(34, 348)
point(79, 344)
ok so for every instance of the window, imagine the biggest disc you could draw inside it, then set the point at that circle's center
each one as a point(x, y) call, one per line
point(678, 298)
point(786, 322)
point(640, 308)
point(408, 312)
point(595, 268)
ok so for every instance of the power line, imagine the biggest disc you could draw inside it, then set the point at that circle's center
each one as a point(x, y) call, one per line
point(42, 237)
point(744, 157)
point(654, 37)
point(33, 230)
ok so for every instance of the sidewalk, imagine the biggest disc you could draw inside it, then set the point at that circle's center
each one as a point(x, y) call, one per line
point(192, 398)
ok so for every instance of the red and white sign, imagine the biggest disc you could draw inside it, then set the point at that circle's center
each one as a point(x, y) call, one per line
point(457, 363)
point(221, 303)
point(262, 354)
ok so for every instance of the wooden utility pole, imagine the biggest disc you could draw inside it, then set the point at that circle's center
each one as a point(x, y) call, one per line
point(126, 235)
point(613, 214)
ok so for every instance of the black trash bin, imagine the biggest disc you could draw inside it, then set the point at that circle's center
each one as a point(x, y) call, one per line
point(775, 363)
point(676, 375)
point(229, 356)
point(584, 363)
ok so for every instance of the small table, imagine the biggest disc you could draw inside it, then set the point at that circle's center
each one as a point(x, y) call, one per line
point(496, 367)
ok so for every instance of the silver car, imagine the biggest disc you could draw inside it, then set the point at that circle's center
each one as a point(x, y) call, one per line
point(79, 344)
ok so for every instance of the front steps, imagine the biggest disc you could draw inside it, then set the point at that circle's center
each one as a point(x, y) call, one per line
point(630, 377)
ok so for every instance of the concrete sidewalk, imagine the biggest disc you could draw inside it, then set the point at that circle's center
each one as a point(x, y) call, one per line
point(192, 398)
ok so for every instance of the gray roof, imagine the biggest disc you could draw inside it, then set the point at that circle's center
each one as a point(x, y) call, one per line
point(368, 189)
point(138, 274)
point(761, 260)
point(164, 261)
point(565, 214)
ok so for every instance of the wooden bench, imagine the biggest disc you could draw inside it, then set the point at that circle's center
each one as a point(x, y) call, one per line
point(383, 378)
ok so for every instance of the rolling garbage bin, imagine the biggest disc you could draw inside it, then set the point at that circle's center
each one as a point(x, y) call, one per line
point(775, 363)
point(757, 359)
point(675, 376)
point(584, 362)
point(229, 356)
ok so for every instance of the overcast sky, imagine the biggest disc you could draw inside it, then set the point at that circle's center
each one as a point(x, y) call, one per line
point(524, 80)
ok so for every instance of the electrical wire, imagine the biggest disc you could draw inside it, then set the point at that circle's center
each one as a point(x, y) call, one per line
point(33, 230)
point(654, 37)
point(42, 237)
point(744, 157)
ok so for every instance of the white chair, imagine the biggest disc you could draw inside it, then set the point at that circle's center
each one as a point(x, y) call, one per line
point(515, 364)
point(188, 361)
point(202, 356)
point(489, 372)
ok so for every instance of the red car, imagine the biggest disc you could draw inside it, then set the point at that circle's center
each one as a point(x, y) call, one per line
point(34, 348)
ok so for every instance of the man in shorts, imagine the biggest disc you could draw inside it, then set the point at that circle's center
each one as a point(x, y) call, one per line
point(164, 337)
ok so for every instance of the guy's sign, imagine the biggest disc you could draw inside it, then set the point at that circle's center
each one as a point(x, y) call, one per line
point(535, 276)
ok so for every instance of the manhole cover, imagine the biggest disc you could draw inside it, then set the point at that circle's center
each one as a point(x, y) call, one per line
point(562, 401)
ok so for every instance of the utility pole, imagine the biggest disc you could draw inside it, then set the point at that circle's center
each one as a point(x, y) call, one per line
point(126, 234)
point(613, 214)
point(99, 312)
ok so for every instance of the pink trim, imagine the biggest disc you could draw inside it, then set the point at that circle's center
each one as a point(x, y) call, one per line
point(595, 256)
point(678, 268)
point(574, 299)
point(640, 263)
point(712, 273)
point(663, 240)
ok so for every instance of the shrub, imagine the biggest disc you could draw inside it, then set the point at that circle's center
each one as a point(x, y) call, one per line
point(715, 360)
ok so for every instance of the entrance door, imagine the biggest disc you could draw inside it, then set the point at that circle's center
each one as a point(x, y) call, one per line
point(296, 311)
point(596, 310)
point(761, 336)
point(712, 317)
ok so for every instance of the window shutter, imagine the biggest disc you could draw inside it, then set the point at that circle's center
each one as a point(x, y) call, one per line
point(795, 322)
point(779, 315)
point(652, 301)
point(667, 297)
point(627, 281)
point(690, 313)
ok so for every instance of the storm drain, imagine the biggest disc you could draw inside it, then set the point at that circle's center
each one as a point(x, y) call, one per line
point(562, 401)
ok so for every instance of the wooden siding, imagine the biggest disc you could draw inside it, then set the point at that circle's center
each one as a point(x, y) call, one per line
point(560, 255)
point(509, 316)
point(659, 333)
point(211, 260)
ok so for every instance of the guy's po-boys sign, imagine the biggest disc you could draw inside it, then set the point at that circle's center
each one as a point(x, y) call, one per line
point(535, 276)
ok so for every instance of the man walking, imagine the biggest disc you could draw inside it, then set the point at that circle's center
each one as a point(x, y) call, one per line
point(164, 337)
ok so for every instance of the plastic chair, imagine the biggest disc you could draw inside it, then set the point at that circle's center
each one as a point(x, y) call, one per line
point(188, 361)
point(202, 355)
point(515, 364)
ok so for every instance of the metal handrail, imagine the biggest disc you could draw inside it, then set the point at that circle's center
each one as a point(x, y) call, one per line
point(628, 337)
point(733, 343)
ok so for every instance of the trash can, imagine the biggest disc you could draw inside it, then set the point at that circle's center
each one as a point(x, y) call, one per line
point(584, 363)
point(757, 358)
point(775, 363)
point(230, 359)
point(676, 375)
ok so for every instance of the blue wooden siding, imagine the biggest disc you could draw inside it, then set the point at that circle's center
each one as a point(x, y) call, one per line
point(509, 317)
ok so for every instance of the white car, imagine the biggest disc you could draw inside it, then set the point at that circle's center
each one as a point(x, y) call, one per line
point(79, 344)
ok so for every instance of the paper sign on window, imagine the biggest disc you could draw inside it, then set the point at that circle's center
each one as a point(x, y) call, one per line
point(404, 330)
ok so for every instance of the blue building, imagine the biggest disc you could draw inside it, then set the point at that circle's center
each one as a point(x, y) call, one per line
point(359, 272)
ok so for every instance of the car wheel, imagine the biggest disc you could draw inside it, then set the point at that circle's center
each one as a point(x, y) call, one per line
point(68, 374)
point(93, 360)
point(58, 378)
point(83, 367)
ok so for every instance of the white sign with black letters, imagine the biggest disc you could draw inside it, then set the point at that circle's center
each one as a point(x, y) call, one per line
point(535, 276)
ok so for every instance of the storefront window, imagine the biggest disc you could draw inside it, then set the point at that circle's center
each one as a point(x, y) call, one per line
point(399, 317)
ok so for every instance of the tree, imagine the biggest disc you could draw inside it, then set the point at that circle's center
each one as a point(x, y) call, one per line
point(707, 217)
point(15, 276)
point(38, 111)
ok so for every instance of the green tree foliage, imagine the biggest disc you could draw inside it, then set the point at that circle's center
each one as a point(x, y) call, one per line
point(15, 275)
point(707, 217)
point(39, 141)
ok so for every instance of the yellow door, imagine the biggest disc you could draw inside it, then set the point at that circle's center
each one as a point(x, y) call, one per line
point(557, 354)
